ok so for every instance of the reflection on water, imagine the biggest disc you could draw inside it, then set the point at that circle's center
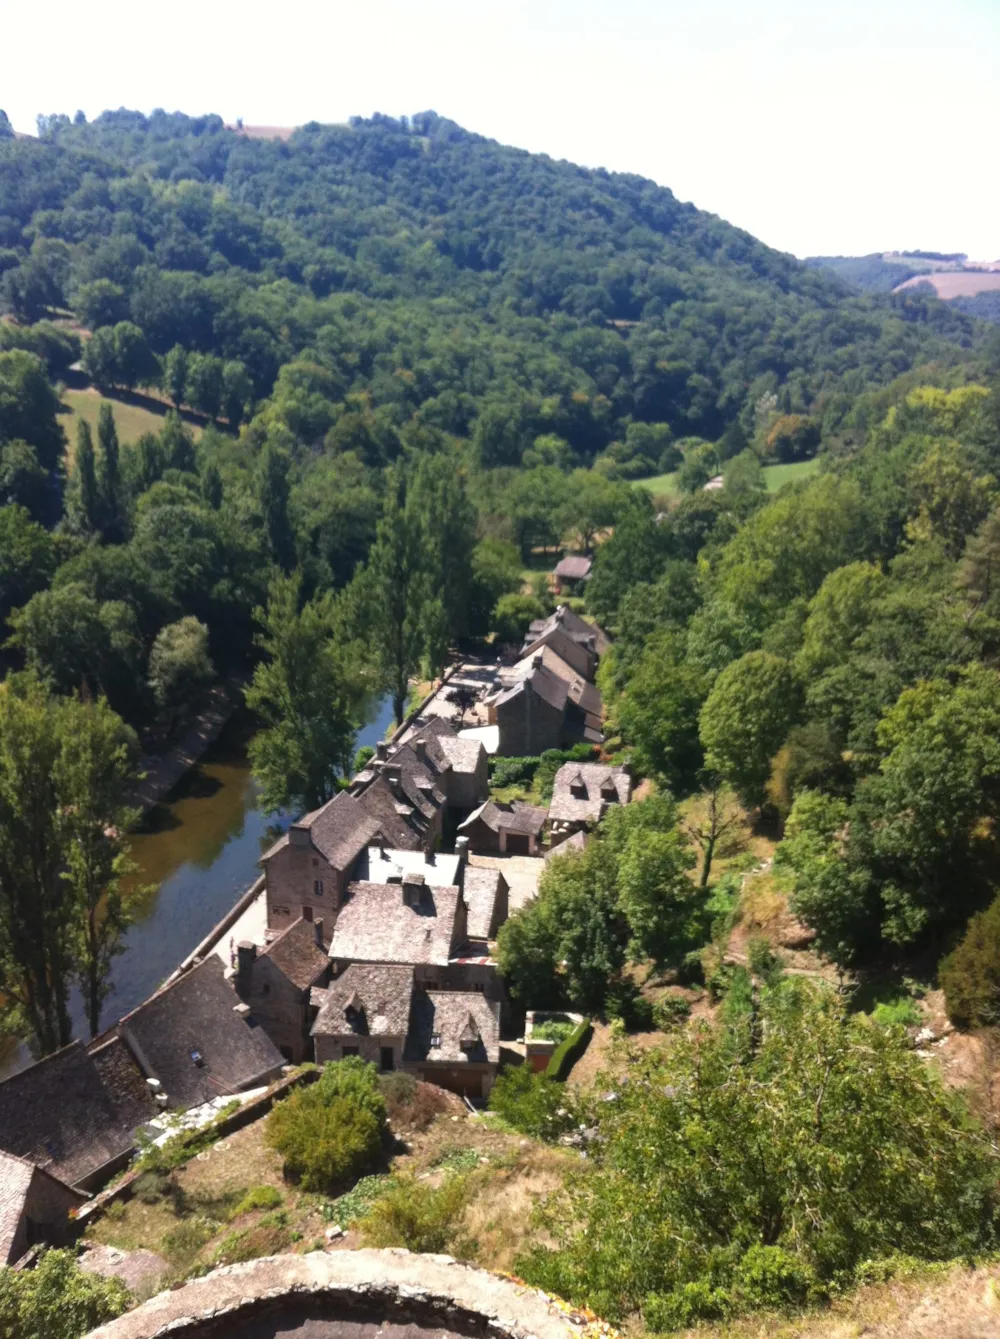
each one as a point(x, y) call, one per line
point(196, 852)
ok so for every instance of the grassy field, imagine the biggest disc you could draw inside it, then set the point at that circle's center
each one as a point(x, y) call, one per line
point(776, 476)
point(131, 420)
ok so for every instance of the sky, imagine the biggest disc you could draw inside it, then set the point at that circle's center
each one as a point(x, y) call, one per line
point(824, 127)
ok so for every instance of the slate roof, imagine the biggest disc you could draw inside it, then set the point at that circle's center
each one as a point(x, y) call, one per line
point(480, 890)
point(570, 623)
point(449, 1016)
point(516, 817)
point(384, 992)
point(463, 754)
point(541, 681)
point(296, 954)
point(123, 1081)
point(576, 842)
point(375, 924)
point(59, 1115)
point(574, 567)
point(197, 1014)
point(568, 808)
point(15, 1179)
point(339, 830)
point(403, 827)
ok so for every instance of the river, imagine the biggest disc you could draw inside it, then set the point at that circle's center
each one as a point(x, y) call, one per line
point(197, 851)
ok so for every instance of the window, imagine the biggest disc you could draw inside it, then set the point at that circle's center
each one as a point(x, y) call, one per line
point(317, 887)
point(350, 1050)
point(388, 1059)
point(435, 1040)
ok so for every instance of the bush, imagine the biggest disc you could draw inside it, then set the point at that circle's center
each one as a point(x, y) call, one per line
point(270, 1236)
point(669, 1011)
point(357, 1202)
point(150, 1186)
point(512, 771)
point(552, 1030)
point(900, 1011)
point(532, 1103)
point(417, 1216)
point(763, 960)
point(331, 1132)
point(57, 1299)
point(259, 1197)
point(970, 976)
point(624, 1001)
point(568, 1052)
point(183, 1242)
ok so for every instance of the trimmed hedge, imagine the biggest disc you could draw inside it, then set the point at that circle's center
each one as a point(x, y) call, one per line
point(565, 1056)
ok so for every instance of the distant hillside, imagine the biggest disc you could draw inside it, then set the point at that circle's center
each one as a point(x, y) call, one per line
point(952, 277)
point(488, 269)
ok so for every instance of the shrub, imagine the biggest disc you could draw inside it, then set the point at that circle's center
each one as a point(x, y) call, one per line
point(183, 1242)
point(57, 1299)
point(624, 1001)
point(768, 1277)
point(417, 1216)
point(357, 1202)
point(970, 976)
point(512, 771)
point(900, 1011)
point(412, 1105)
point(552, 1030)
point(763, 960)
point(669, 1011)
point(568, 1052)
point(270, 1236)
point(531, 1103)
point(150, 1186)
point(332, 1131)
point(259, 1197)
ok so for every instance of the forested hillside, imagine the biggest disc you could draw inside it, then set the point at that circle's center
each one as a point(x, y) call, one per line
point(421, 365)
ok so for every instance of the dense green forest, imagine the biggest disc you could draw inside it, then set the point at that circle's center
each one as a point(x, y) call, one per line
point(419, 360)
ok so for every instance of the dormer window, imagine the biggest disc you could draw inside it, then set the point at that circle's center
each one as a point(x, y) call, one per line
point(435, 1041)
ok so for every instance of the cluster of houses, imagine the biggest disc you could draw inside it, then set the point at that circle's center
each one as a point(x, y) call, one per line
point(379, 911)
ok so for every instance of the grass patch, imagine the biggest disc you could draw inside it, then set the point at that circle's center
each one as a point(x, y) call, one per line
point(775, 476)
point(131, 420)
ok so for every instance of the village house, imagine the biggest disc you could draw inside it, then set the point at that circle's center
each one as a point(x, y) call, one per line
point(486, 894)
point(514, 829)
point(530, 716)
point(310, 865)
point(572, 571)
point(276, 982)
point(199, 1041)
point(379, 1012)
point(34, 1208)
point(584, 709)
point(580, 644)
point(412, 922)
point(581, 795)
point(402, 798)
point(75, 1112)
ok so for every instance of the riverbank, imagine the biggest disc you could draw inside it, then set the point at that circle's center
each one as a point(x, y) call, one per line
point(160, 773)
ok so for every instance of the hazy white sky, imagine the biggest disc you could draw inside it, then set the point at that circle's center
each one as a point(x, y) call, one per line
point(822, 126)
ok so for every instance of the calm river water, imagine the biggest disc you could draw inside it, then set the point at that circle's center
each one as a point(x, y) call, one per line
point(199, 849)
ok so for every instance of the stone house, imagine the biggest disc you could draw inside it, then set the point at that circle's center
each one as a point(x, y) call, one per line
point(199, 1041)
point(410, 922)
point(311, 864)
point(365, 1012)
point(74, 1113)
point(571, 571)
point(486, 895)
point(530, 716)
point(34, 1207)
point(584, 706)
point(582, 793)
point(514, 829)
point(276, 984)
point(381, 1013)
point(580, 644)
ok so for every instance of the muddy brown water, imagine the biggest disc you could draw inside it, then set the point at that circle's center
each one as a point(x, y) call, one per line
point(197, 851)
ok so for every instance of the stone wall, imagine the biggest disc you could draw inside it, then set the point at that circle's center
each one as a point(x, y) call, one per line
point(331, 1295)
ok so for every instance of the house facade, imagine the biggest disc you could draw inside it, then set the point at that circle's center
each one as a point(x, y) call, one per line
point(276, 983)
point(35, 1207)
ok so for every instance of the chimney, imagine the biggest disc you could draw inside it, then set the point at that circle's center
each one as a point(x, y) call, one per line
point(318, 926)
point(246, 953)
point(381, 750)
point(393, 774)
point(536, 661)
point(420, 749)
point(413, 886)
point(462, 849)
point(428, 856)
point(241, 1009)
point(299, 835)
point(307, 913)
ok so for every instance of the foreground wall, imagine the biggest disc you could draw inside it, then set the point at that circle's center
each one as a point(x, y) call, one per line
point(352, 1294)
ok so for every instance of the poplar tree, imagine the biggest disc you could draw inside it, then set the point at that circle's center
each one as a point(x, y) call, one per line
point(110, 474)
point(88, 500)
